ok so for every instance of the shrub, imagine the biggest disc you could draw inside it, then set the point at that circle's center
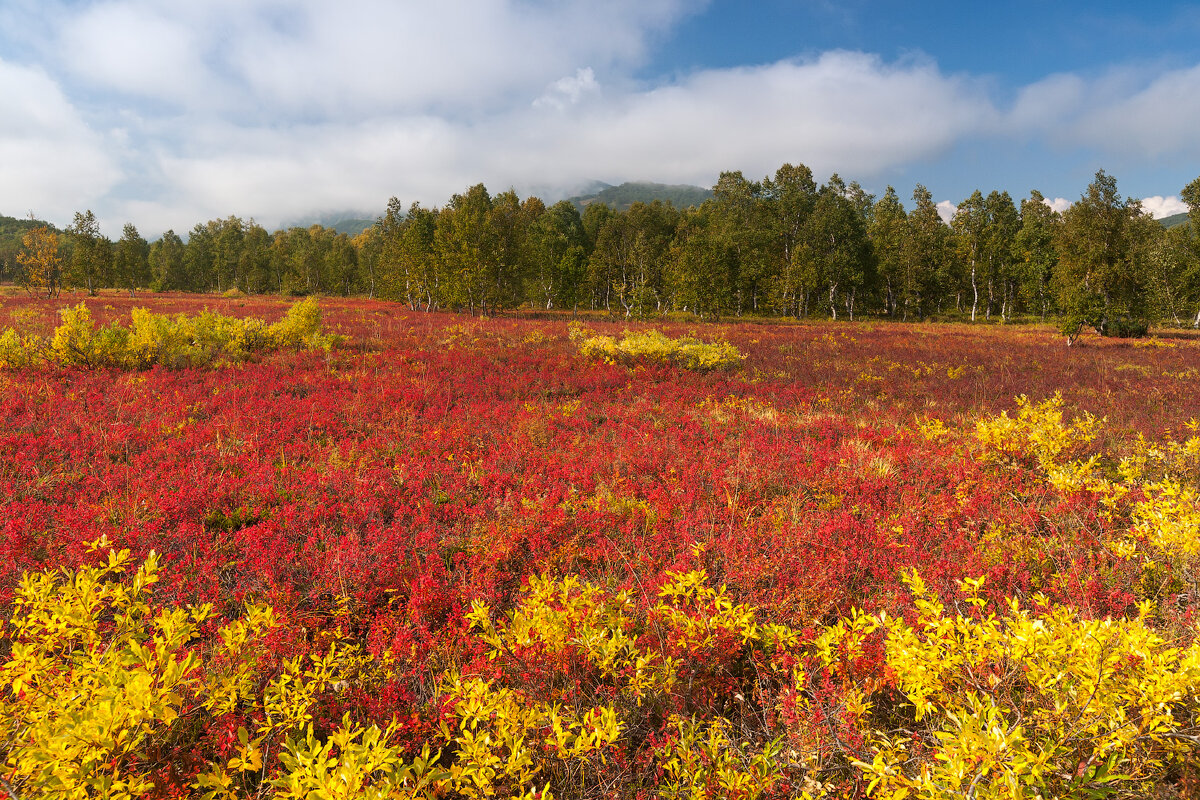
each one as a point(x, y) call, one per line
point(1124, 328)
point(1024, 704)
point(100, 685)
point(653, 345)
point(1038, 430)
point(159, 339)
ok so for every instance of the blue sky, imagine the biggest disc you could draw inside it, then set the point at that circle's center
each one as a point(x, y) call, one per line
point(167, 114)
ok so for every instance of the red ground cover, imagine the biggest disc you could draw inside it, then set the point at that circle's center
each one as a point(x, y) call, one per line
point(438, 459)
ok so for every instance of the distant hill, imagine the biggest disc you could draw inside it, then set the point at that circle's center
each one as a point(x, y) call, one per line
point(351, 223)
point(1172, 221)
point(623, 196)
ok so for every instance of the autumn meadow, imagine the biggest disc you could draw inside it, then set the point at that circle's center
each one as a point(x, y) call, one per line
point(449, 556)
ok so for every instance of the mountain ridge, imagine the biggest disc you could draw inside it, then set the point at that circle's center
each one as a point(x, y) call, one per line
point(622, 196)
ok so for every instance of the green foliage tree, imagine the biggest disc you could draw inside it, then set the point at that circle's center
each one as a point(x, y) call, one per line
point(1035, 253)
point(368, 245)
point(465, 245)
point(254, 261)
point(199, 259)
point(1003, 221)
point(927, 254)
point(970, 226)
point(229, 235)
point(737, 222)
point(888, 230)
point(166, 257)
point(836, 247)
point(597, 219)
point(1191, 196)
point(790, 197)
point(1100, 278)
point(651, 228)
point(703, 263)
point(421, 263)
point(90, 256)
point(131, 261)
point(1174, 262)
point(509, 220)
point(558, 246)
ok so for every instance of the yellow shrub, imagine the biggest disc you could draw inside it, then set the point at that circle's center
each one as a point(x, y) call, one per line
point(96, 680)
point(300, 327)
point(600, 652)
point(1021, 704)
point(1038, 431)
point(73, 341)
point(653, 345)
point(93, 677)
point(1153, 504)
point(17, 351)
point(159, 339)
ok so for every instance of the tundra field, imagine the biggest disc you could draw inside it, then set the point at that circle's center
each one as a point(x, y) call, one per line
point(444, 556)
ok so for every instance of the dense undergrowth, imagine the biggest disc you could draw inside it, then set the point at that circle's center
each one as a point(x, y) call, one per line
point(459, 558)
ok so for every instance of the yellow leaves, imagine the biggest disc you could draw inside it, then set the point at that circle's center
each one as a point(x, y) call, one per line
point(1014, 699)
point(703, 760)
point(616, 659)
point(497, 733)
point(352, 763)
point(94, 675)
point(84, 697)
point(172, 341)
point(41, 260)
point(698, 613)
point(1154, 498)
point(654, 345)
point(1168, 517)
point(1038, 430)
point(932, 428)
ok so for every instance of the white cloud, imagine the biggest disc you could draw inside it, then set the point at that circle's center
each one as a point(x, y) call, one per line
point(569, 91)
point(1159, 118)
point(309, 58)
point(50, 160)
point(845, 112)
point(946, 210)
point(1160, 207)
point(137, 49)
point(1059, 204)
point(1127, 111)
point(169, 113)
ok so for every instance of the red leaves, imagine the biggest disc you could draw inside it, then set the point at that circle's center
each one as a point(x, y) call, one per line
point(381, 489)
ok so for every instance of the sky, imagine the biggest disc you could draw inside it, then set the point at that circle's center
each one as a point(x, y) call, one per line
point(166, 114)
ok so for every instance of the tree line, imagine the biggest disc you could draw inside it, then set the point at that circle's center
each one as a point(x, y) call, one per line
point(781, 246)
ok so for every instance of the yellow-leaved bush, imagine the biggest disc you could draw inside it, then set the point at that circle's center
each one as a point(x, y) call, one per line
point(1038, 430)
point(583, 673)
point(654, 345)
point(172, 341)
point(96, 678)
point(582, 691)
point(1021, 704)
point(1149, 496)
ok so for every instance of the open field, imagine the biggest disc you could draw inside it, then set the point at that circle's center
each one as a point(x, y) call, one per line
point(373, 496)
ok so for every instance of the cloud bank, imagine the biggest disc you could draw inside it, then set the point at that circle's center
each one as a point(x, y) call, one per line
point(168, 114)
